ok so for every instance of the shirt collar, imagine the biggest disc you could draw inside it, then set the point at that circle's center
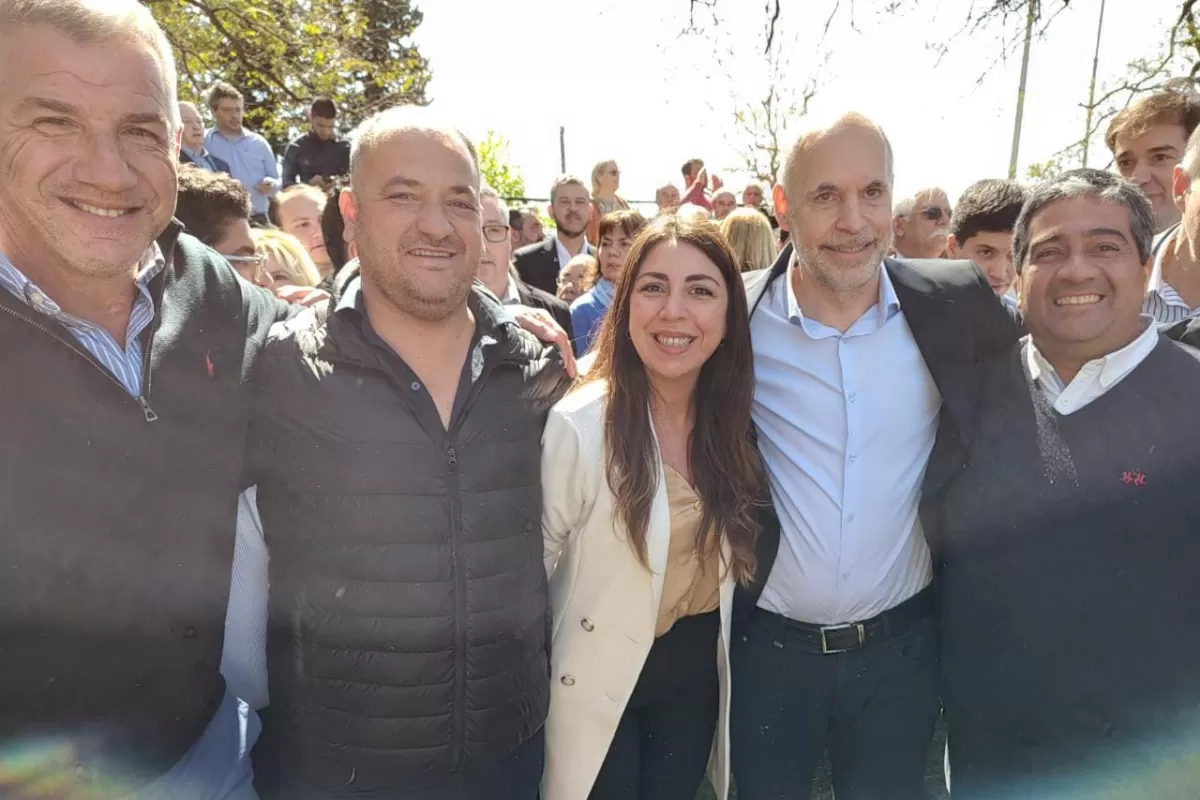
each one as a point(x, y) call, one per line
point(886, 307)
point(1156, 282)
point(511, 295)
point(563, 255)
point(1110, 368)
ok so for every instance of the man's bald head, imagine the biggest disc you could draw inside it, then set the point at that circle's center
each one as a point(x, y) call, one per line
point(812, 138)
point(383, 126)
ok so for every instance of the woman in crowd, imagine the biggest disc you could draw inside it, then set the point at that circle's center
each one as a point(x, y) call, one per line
point(606, 180)
point(650, 484)
point(617, 231)
point(751, 239)
point(287, 261)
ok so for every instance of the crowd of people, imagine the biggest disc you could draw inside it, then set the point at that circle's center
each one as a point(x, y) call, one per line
point(334, 476)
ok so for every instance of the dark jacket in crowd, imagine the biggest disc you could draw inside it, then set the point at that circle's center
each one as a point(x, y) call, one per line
point(408, 622)
point(538, 266)
point(117, 532)
point(220, 164)
point(534, 297)
point(310, 155)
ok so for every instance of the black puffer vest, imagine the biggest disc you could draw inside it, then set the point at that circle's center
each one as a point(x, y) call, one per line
point(408, 613)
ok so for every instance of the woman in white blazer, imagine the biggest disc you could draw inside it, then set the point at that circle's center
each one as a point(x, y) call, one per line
point(649, 483)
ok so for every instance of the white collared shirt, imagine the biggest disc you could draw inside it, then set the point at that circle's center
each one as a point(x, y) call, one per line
point(846, 423)
point(511, 296)
point(1097, 376)
point(564, 257)
point(1162, 301)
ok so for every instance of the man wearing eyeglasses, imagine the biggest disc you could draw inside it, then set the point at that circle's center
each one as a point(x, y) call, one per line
point(920, 224)
point(495, 264)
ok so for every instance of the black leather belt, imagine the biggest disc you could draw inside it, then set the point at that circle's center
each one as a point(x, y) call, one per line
point(832, 639)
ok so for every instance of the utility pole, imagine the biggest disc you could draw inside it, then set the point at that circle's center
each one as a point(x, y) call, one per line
point(562, 149)
point(1091, 105)
point(1016, 140)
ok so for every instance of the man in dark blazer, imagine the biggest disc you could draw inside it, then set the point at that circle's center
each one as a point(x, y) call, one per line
point(539, 264)
point(857, 359)
point(534, 297)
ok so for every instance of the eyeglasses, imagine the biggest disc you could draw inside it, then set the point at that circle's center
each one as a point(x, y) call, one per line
point(495, 233)
point(934, 213)
point(254, 262)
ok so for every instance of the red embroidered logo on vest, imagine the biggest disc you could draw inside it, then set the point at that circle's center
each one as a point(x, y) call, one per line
point(1132, 477)
point(208, 363)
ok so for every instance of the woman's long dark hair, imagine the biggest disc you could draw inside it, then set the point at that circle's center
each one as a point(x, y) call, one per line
point(725, 467)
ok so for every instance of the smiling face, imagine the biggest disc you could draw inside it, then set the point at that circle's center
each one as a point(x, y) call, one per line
point(992, 252)
point(1083, 283)
point(416, 207)
point(839, 208)
point(1149, 162)
point(677, 312)
point(87, 155)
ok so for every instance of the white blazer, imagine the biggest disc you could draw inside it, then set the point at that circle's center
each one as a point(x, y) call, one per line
point(605, 602)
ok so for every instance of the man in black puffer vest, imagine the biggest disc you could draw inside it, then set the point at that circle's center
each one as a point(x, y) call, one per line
point(397, 441)
point(1066, 539)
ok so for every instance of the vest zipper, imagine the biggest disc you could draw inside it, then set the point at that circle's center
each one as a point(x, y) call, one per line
point(460, 607)
point(141, 399)
point(458, 559)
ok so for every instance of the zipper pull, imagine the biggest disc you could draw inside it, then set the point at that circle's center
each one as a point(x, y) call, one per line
point(451, 455)
point(147, 410)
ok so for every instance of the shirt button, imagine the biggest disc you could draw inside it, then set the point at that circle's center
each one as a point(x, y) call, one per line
point(416, 387)
point(845, 576)
point(567, 680)
point(853, 458)
point(850, 518)
point(587, 625)
point(851, 397)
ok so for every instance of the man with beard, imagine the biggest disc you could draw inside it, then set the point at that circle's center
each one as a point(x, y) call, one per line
point(921, 224)
point(856, 358)
point(396, 437)
point(570, 205)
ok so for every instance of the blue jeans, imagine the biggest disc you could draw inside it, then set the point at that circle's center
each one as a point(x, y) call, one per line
point(218, 765)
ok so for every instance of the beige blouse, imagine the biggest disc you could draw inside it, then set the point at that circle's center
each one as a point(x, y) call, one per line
point(692, 585)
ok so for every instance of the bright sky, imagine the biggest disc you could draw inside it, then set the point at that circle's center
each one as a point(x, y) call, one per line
point(625, 84)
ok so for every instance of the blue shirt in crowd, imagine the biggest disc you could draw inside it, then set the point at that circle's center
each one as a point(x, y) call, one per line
point(250, 160)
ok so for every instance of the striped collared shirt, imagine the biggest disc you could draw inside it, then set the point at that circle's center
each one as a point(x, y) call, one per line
point(1162, 301)
point(123, 361)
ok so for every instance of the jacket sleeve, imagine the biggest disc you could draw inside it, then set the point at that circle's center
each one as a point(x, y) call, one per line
point(696, 196)
point(564, 495)
point(1000, 325)
point(290, 166)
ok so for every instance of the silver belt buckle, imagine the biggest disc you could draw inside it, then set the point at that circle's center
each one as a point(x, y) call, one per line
point(862, 637)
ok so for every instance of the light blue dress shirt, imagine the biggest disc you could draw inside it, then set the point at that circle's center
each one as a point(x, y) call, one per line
point(250, 160)
point(846, 423)
point(123, 360)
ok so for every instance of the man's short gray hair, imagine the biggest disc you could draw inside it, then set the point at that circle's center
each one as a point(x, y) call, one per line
point(383, 124)
point(905, 205)
point(95, 21)
point(485, 190)
point(840, 123)
point(1087, 183)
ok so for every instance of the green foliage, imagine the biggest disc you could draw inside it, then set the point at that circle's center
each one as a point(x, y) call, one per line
point(283, 53)
point(495, 168)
